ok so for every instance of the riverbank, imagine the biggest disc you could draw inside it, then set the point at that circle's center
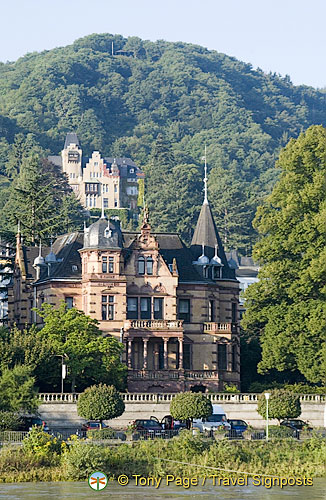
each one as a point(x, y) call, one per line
point(185, 455)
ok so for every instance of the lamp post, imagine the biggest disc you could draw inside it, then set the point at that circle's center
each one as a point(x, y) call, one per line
point(267, 394)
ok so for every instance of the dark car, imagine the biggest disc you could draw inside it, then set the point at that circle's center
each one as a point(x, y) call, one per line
point(169, 424)
point(92, 425)
point(28, 422)
point(297, 424)
point(238, 426)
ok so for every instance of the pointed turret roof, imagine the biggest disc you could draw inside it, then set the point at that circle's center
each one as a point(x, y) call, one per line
point(71, 138)
point(206, 235)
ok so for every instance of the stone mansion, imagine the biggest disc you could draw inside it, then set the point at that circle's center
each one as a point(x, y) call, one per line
point(174, 307)
point(112, 182)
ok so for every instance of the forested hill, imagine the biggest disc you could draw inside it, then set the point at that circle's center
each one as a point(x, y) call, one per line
point(119, 103)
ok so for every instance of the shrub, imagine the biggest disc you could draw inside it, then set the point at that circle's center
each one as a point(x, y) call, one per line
point(9, 421)
point(43, 446)
point(281, 404)
point(105, 433)
point(280, 431)
point(81, 459)
point(189, 405)
point(100, 402)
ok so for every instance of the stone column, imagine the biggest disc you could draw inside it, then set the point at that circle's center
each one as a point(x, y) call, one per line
point(180, 354)
point(166, 359)
point(129, 353)
point(145, 354)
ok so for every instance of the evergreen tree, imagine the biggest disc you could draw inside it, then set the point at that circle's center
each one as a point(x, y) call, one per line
point(42, 201)
point(287, 307)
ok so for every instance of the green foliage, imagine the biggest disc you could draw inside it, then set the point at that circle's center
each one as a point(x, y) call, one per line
point(17, 392)
point(280, 431)
point(231, 388)
point(81, 459)
point(42, 445)
point(286, 308)
point(120, 104)
point(105, 433)
point(100, 402)
point(189, 405)
point(282, 404)
point(90, 357)
point(41, 200)
point(9, 421)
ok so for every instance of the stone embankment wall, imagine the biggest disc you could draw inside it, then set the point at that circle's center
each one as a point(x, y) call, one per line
point(60, 410)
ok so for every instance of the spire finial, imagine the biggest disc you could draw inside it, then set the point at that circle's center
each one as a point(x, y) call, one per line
point(205, 178)
point(215, 251)
point(203, 248)
point(40, 249)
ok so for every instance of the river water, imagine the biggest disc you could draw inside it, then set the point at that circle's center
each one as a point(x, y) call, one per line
point(81, 490)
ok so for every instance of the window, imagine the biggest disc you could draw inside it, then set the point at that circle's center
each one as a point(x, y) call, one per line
point(184, 310)
point(107, 307)
point(115, 188)
point(145, 308)
point(149, 265)
point(216, 272)
point(158, 308)
point(95, 163)
point(234, 312)
point(104, 264)
point(141, 265)
point(187, 356)
point(131, 170)
point(111, 265)
point(206, 268)
point(234, 358)
point(132, 308)
point(105, 202)
point(70, 302)
point(222, 363)
point(115, 203)
point(211, 315)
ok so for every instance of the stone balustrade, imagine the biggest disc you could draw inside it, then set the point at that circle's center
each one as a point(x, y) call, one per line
point(217, 327)
point(153, 324)
point(163, 398)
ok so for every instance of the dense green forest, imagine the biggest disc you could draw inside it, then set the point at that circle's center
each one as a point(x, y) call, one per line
point(119, 104)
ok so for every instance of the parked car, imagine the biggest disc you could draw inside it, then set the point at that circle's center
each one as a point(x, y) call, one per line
point(169, 424)
point(213, 422)
point(148, 428)
point(28, 422)
point(297, 424)
point(92, 425)
point(237, 426)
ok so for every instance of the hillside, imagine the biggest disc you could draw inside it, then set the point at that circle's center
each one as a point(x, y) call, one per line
point(119, 104)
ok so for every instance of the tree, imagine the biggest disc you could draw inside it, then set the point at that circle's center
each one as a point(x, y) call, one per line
point(287, 307)
point(100, 402)
point(281, 404)
point(42, 201)
point(190, 405)
point(17, 391)
point(89, 356)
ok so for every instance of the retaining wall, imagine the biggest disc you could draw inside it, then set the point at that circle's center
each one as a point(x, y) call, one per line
point(61, 413)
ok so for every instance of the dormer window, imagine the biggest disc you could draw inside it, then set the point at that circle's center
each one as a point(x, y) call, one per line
point(216, 272)
point(145, 265)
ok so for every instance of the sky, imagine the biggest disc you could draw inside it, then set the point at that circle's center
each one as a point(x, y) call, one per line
point(283, 36)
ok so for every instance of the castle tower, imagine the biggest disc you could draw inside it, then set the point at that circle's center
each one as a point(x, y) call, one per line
point(72, 161)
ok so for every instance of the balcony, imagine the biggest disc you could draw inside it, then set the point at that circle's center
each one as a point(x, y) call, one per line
point(155, 374)
point(220, 328)
point(154, 324)
point(201, 374)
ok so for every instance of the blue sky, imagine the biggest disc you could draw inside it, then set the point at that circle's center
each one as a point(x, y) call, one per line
point(286, 37)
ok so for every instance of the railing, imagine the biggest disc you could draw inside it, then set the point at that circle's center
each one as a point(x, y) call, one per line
point(201, 374)
point(166, 397)
point(218, 327)
point(154, 324)
point(157, 374)
point(58, 397)
point(12, 436)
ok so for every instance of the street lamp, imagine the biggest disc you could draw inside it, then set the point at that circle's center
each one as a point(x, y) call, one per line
point(267, 394)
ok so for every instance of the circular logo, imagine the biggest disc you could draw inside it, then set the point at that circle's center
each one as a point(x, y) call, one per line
point(97, 481)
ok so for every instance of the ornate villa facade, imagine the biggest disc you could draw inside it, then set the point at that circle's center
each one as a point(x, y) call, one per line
point(175, 308)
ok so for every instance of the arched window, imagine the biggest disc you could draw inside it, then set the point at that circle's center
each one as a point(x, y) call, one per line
point(141, 265)
point(149, 265)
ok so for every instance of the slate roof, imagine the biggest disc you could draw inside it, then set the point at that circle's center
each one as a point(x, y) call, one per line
point(57, 160)
point(206, 233)
point(71, 138)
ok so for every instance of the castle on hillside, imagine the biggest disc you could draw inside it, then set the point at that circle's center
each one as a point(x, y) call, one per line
point(175, 308)
point(111, 182)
